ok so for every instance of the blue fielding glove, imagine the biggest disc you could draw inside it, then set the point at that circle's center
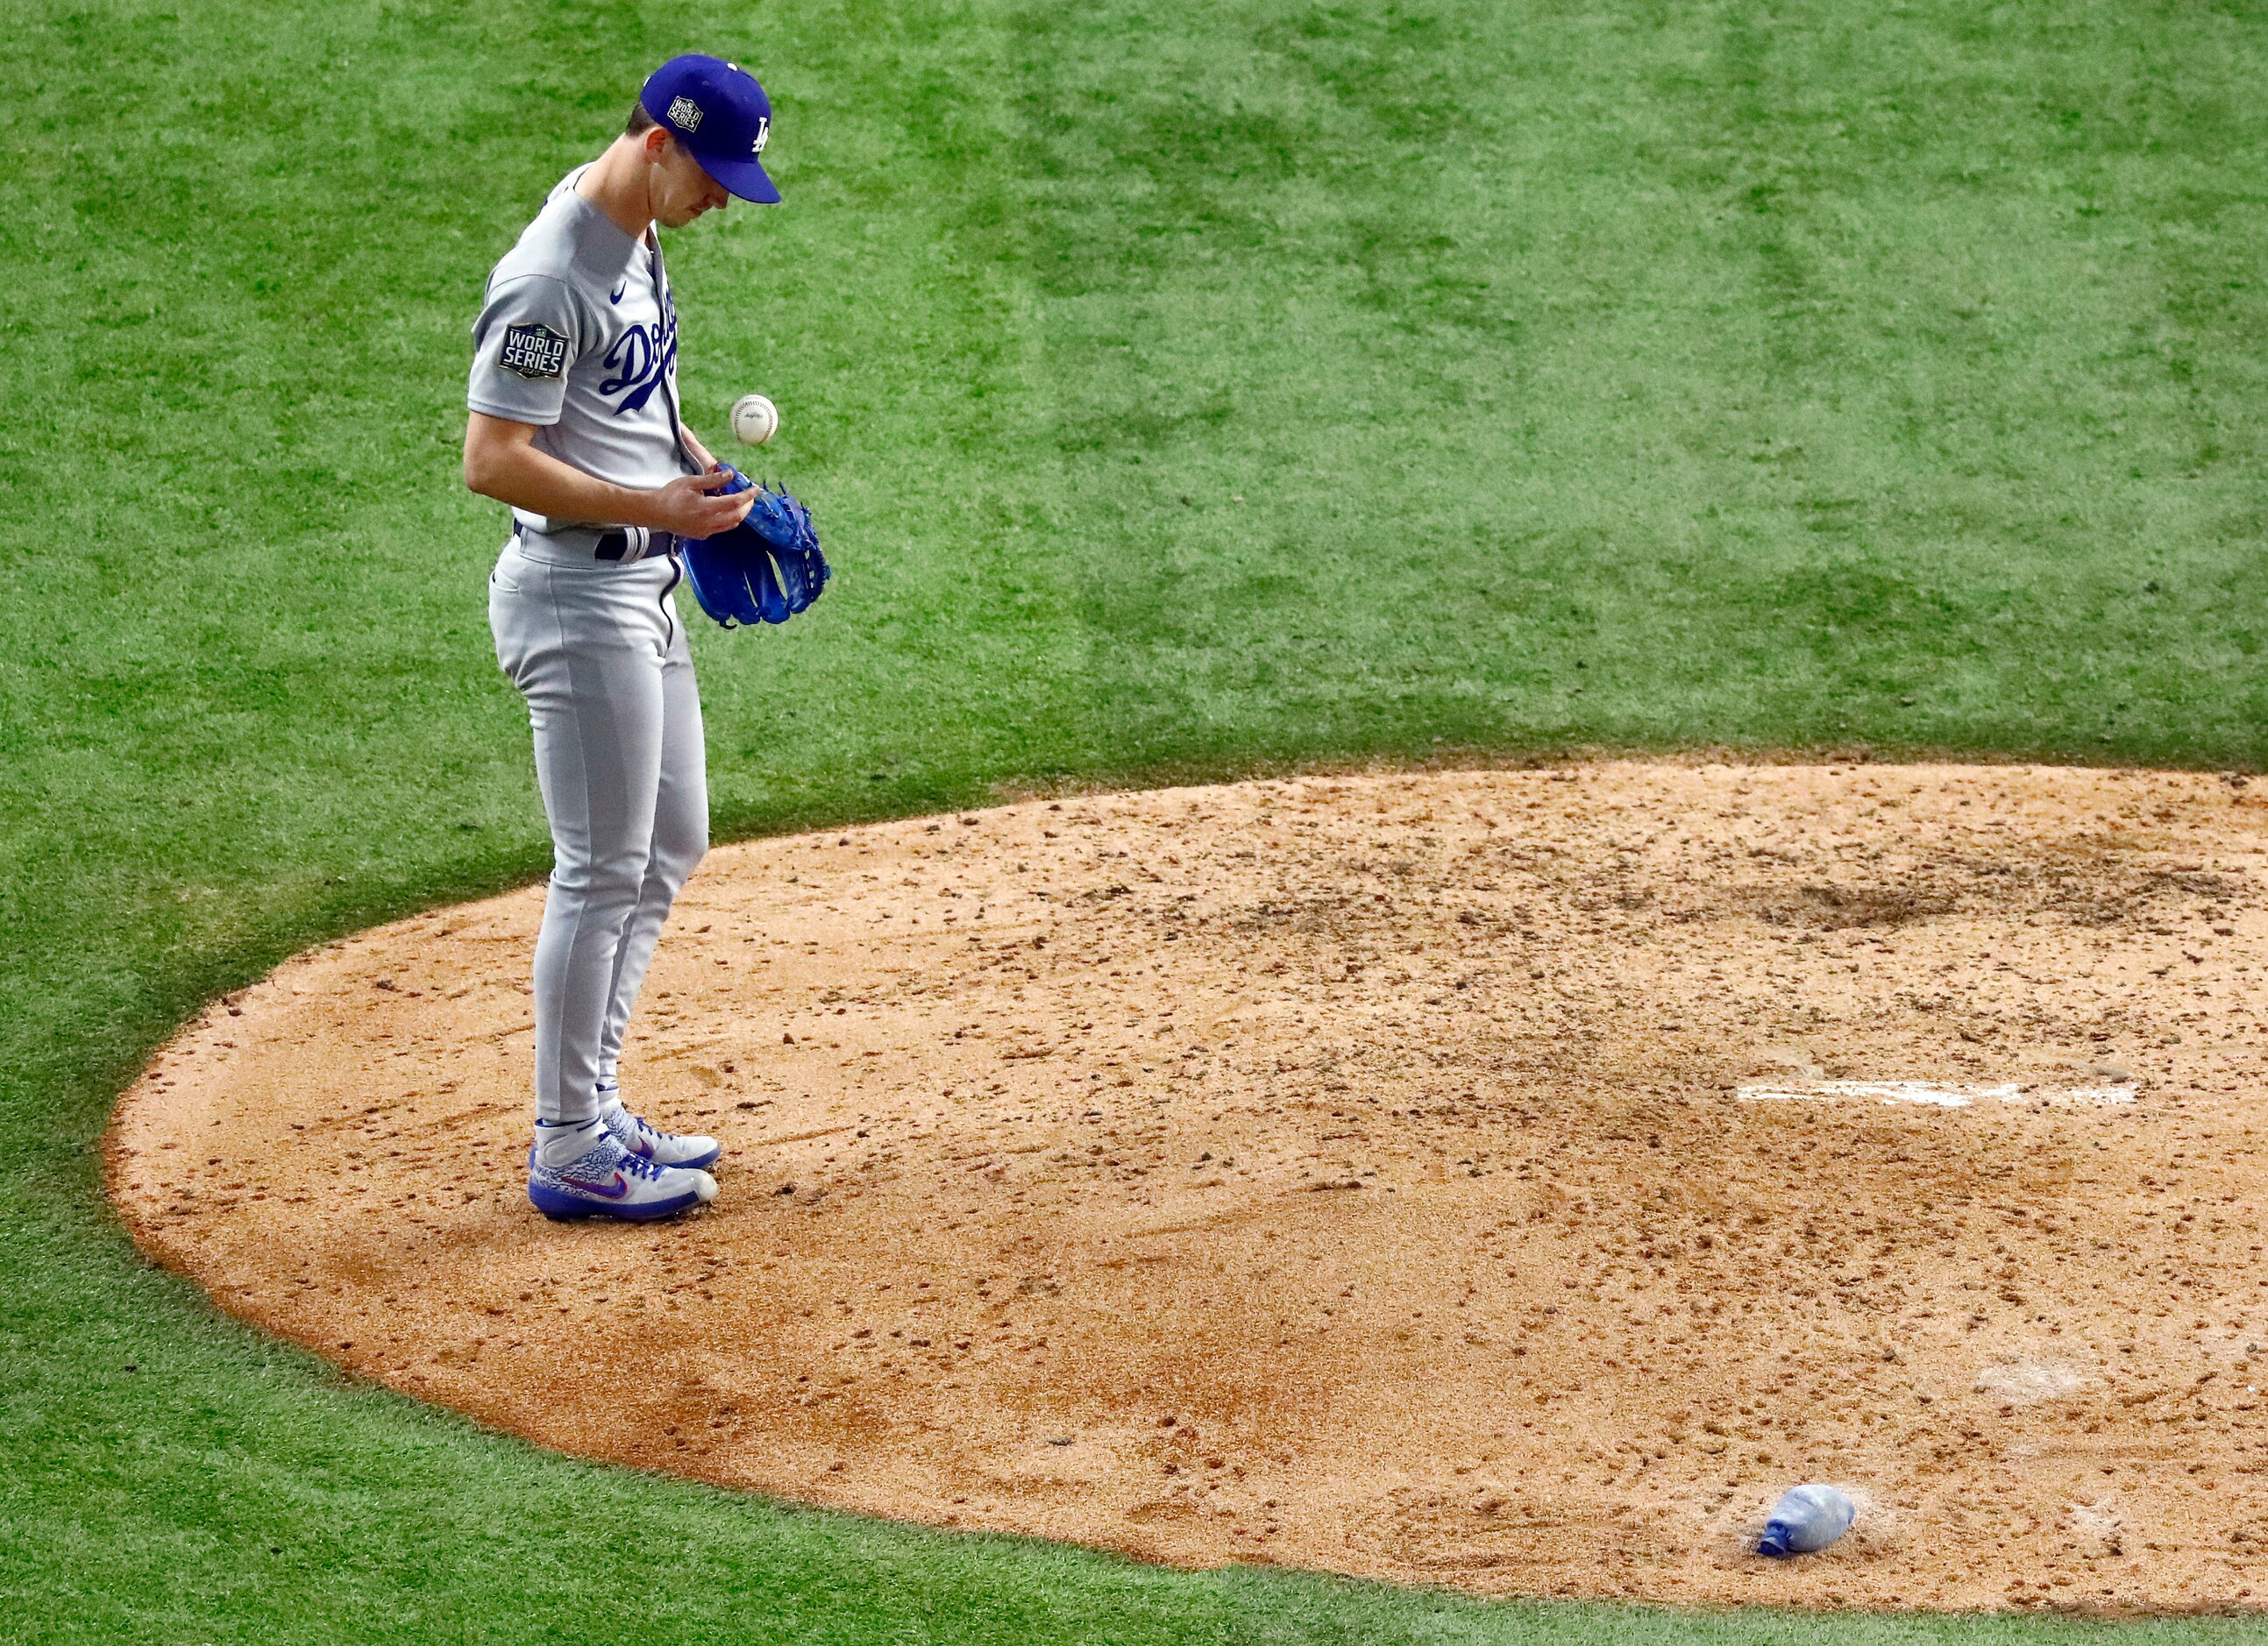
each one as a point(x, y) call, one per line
point(765, 570)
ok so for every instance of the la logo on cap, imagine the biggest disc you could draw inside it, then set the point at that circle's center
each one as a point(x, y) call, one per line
point(764, 134)
point(685, 114)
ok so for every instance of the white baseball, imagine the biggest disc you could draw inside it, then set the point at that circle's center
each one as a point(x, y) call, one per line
point(755, 420)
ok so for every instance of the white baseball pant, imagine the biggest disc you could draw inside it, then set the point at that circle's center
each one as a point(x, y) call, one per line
point(599, 652)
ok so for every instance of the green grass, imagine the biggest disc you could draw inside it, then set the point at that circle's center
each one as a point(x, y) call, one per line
point(1183, 389)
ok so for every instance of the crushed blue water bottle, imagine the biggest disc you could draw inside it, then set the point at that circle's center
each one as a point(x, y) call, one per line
point(1805, 1520)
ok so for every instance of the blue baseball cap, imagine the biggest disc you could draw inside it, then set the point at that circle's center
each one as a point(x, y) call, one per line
point(720, 115)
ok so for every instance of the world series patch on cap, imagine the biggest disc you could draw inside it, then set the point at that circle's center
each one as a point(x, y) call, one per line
point(721, 116)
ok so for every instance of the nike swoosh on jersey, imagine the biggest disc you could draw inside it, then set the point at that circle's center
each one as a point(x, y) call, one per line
point(615, 295)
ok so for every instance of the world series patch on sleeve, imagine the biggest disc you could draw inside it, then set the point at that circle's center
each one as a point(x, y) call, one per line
point(534, 351)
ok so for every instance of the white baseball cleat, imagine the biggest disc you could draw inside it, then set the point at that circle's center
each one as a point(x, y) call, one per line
point(610, 1181)
point(651, 1142)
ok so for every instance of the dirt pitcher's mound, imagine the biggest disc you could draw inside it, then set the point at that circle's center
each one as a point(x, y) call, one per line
point(1509, 1179)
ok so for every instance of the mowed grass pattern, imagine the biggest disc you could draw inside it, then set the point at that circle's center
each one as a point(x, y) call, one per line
point(1184, 390)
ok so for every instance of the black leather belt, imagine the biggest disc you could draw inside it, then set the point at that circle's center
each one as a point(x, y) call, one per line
point(613, 545)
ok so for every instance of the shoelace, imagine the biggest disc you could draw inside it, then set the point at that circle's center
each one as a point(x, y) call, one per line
point(640, 1166)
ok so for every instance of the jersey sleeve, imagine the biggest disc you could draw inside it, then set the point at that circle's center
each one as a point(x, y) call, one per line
point(523, 343)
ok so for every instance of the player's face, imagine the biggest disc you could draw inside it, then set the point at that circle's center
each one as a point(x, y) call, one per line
point(679, 190)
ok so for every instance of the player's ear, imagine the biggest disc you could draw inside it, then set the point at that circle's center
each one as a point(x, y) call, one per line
point(657, 141)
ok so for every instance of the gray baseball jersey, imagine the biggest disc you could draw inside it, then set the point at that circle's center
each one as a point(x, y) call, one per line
point(578, 335)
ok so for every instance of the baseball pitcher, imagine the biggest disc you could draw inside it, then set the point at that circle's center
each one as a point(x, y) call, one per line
point(574, 423)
